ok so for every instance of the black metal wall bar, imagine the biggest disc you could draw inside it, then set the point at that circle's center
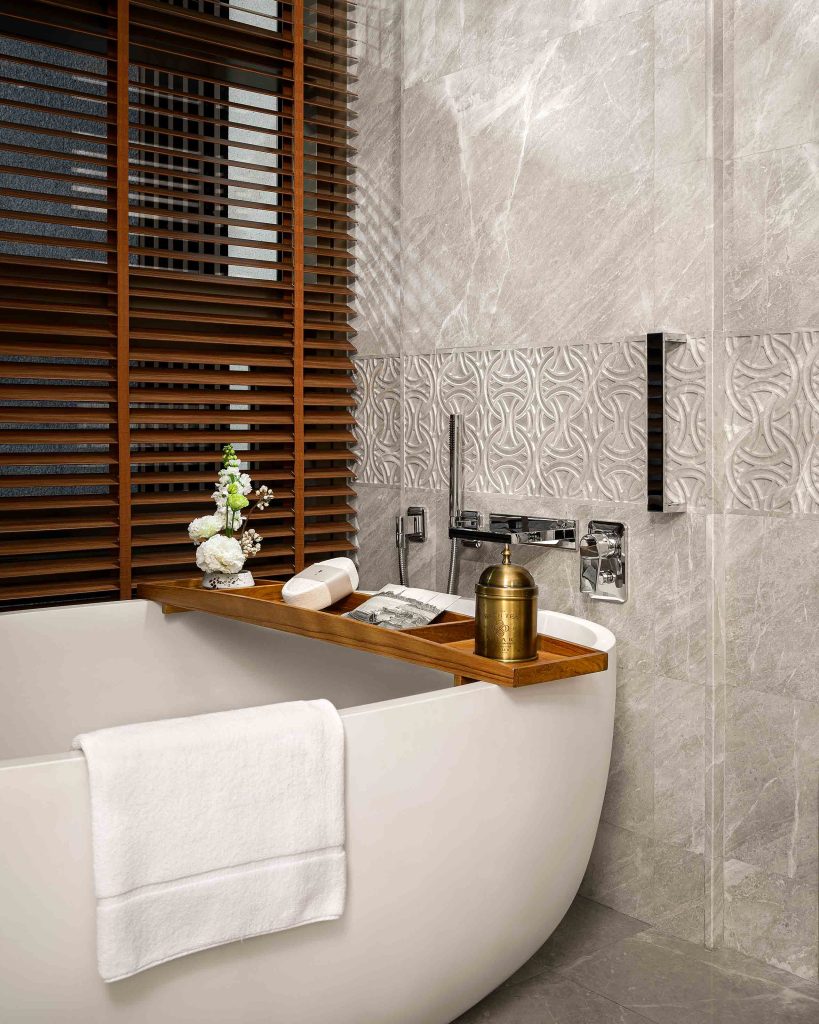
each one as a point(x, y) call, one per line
point(656, 422)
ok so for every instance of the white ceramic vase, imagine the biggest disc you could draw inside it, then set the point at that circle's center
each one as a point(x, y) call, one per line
point(227, 580)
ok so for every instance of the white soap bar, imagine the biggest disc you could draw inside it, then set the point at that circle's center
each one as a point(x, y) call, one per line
point(321, 584)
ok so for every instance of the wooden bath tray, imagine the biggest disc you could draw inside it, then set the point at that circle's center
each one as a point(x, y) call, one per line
point(447, 645)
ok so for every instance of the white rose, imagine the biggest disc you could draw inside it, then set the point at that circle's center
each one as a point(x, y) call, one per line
point(205, 527)
point(220, 554)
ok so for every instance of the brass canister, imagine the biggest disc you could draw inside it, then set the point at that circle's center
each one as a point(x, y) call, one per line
point(506, 612)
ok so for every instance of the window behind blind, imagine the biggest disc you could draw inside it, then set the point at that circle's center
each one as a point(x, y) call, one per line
point(175, 273)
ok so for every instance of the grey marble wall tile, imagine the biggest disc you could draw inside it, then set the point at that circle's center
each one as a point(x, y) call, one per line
point(772, 604)
point(433, 179)
point(563, 264)
point(435, 261)
point(377, 34)
point(377, 230)
point(683, 239)
point(432, 33)
point(521, 28)
point(679, 585)
point(376, 508)
point(772, 917)
point(776, 76)
point(679, 892)
point(680, 113)
point(591, 99)
point(493, 167)
point(379, 79)
point(771, 218)
point(621, 871)
point(771, 773)
point(679, 769)
point(772, 422)
point(629, 800)
point(379, 443)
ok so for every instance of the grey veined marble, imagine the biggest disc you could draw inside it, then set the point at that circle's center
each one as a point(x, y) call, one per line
point(601, 966)
point(776, 74)
point(772, 604)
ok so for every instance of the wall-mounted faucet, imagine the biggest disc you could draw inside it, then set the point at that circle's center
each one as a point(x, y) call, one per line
point(469, 527)
point(603, 562)
point(505, 529)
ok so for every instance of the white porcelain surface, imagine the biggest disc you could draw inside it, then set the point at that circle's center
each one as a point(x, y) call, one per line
point(471, 813)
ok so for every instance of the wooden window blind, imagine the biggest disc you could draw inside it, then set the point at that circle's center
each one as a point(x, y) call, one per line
point(176, 272)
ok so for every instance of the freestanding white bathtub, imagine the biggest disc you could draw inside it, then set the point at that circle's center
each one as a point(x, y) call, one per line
point(471, 814)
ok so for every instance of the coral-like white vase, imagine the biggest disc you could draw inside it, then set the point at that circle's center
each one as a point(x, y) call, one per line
point(227, 580)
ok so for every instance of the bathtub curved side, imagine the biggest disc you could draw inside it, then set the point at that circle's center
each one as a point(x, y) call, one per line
point(471, 817)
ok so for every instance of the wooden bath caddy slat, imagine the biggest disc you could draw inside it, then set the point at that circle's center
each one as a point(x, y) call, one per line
point(448, 644)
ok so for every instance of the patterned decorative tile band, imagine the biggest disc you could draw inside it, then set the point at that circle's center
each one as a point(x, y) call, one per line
point(772, 422)
point(561, 422)
point(378, 420)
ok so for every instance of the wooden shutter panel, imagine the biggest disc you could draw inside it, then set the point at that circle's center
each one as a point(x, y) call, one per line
point(327, 402)
point(175, 272)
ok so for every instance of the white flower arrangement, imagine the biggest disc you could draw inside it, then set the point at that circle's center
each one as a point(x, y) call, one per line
point(223, 540)
point(220, 554)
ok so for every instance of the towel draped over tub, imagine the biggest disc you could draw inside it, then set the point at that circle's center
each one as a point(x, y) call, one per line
point(214, 828)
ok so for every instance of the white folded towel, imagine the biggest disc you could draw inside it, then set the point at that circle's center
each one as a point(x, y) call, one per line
point(214, 828)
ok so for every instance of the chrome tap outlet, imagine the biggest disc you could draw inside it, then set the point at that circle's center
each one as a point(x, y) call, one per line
point(538, 531)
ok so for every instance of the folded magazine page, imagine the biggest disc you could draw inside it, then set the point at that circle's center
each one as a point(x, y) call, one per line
point(397, 607)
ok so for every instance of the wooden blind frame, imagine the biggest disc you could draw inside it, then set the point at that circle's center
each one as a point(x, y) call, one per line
point(176, 271)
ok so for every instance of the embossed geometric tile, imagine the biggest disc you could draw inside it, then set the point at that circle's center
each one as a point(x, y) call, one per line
point(772, 422)
point(561, 422)
point(378, 420)
point(422, 422)
point(686, 481)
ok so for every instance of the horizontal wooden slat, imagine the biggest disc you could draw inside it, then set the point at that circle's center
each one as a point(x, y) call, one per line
point(206, 296)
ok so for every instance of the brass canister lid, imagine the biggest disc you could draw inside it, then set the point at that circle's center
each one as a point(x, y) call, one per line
point(506, 580)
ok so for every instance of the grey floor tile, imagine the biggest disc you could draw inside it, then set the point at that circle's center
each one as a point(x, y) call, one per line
point(587, 928)
point(673, 982)
point(549, 998)
point(731, 962)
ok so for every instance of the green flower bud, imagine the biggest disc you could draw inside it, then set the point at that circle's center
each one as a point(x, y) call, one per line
point(237, 501)
point(233, 488)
